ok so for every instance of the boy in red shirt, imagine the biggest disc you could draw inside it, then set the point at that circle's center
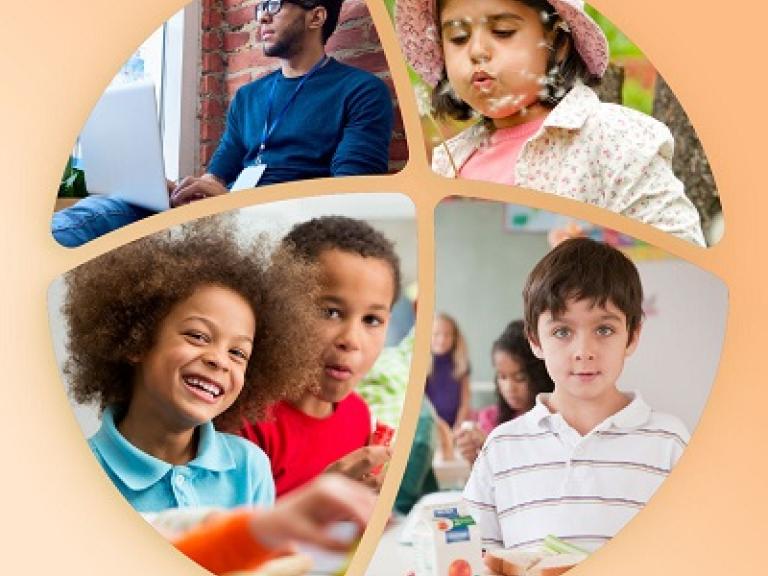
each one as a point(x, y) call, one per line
point(329, 427)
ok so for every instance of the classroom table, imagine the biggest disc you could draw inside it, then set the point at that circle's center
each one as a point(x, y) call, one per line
point(392, 558)
point(395, 555)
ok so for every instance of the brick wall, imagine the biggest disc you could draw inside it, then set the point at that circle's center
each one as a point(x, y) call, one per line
point(231, 57)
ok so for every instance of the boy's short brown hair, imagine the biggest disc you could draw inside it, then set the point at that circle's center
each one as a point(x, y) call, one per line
point(116, 302)
point(308, 239)
point(582, 269)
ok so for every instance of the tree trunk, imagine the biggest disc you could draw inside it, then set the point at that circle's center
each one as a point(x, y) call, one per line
point(690, 163)
point(609, 89)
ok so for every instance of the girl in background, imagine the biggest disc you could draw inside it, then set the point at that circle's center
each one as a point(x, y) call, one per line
point(523, 67)
point(520, 376)
point(448, 382)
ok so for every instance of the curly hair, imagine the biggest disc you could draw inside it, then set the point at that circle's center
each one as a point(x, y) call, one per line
point(308, 239)
point(583, 269)
point(514, 342)
point(569, 68)
point(116, 302)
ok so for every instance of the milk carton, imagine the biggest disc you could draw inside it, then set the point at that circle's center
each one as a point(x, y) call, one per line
point(447, 542)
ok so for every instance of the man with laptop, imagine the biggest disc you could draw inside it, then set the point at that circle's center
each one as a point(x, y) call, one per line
point(314, 117)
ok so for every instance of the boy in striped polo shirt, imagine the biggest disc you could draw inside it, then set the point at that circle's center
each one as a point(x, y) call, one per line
point(587, 457)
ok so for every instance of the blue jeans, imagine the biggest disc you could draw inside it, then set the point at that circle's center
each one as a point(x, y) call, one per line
point(92, 217)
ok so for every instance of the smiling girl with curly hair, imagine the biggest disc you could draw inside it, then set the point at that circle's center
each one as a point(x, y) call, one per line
point(179, 330)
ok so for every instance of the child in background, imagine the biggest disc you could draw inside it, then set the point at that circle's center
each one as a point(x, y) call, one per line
point(520, 377)
point(524, 67)
point(172, 332)
point(448, 382)
point(587, 457)
point(329, 427)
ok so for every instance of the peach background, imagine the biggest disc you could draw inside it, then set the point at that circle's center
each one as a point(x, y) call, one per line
point(62, 517)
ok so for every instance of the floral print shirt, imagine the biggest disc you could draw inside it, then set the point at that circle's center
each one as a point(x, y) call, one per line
point(604, 154)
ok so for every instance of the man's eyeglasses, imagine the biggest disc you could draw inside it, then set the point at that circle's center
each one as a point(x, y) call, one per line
point(272, 7)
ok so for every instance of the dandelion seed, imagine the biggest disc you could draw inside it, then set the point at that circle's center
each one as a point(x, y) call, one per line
point(447, 90)
point(508, 101)
point(423, 100)
point(544, 16)
point(431, 33)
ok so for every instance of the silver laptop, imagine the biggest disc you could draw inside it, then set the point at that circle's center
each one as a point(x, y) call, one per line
point(121, 149)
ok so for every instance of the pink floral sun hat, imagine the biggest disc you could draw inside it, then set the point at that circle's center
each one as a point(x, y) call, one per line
point(417, 28)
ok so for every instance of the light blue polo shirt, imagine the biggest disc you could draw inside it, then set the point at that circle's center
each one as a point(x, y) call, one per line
point(227, 472)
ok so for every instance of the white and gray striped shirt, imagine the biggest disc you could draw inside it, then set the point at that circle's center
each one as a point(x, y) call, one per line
point(536, 475)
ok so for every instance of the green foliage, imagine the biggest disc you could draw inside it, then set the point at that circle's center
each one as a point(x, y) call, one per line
point(620, 45)
point(635, 96)
point(72, 182)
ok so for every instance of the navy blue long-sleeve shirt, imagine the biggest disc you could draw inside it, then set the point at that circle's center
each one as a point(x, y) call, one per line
point(339, 124)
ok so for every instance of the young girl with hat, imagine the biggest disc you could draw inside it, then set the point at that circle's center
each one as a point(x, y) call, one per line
point(524, 66)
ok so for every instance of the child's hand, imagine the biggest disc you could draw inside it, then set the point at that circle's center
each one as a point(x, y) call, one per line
point(382, 436)
point(359, 465)
point(246, 538)
point(469, 441)
point(306, 514)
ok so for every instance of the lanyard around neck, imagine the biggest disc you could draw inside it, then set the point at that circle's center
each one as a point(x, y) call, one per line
point(270, 128)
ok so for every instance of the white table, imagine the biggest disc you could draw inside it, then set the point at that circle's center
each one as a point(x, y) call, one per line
point(392, 558)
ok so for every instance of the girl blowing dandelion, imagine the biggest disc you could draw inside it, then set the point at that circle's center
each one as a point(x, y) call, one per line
point(524, 67)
